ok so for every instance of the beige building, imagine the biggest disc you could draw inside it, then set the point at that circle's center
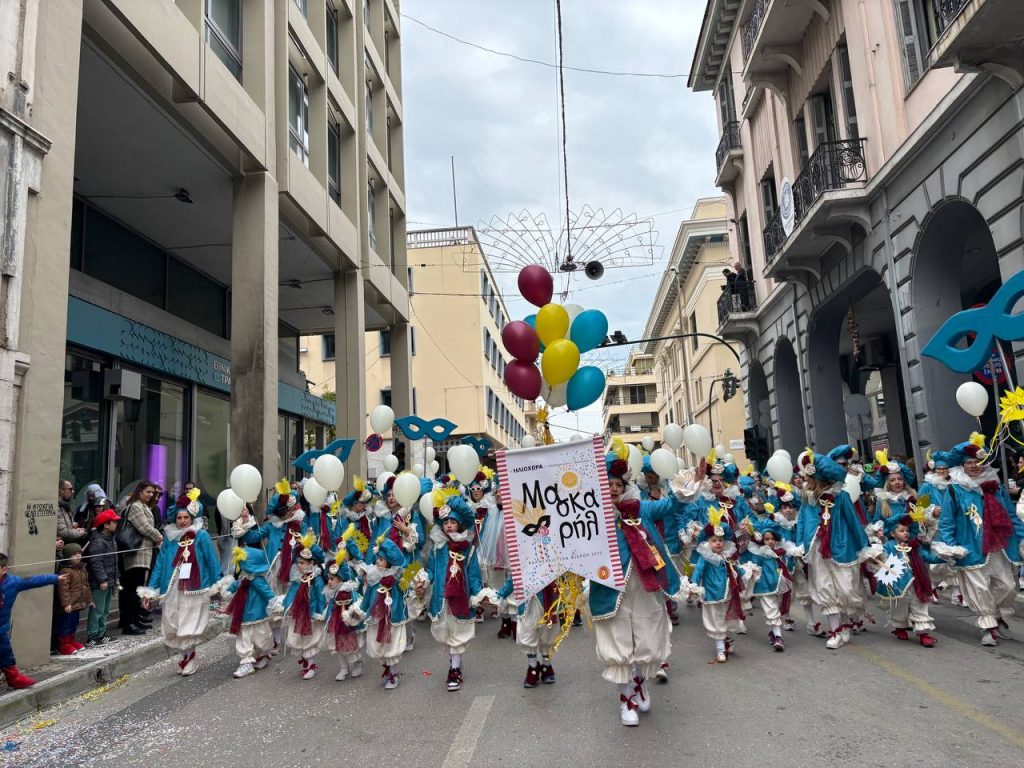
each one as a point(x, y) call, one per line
point(871, 154)
point(631, 401)
point(189, 187)
point(458, 361)
point(688, 371)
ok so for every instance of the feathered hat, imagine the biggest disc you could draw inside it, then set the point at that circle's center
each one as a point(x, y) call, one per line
point(391, 553)
point(648, 468)
point(813, 464)
point(842, 453)
point(482, 481)
point(250, 559)
point(718, 525)
point(360, 493)
point(747, 485)
point(887, 466)
point(938, 459)
point(284, 500)
point(972, 449)
point(715, 465)
point(617, 468)
point(307, 541)
point(784, 493)
point(458, 510)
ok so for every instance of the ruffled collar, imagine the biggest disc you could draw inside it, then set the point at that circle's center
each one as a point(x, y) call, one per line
point(704, 550)
point(732, 491)
point(373, 574)
point(936, 480)
point(297, 516)
point(834, 489)
point(883, 495)
point(761, 550)
point(958, 476)
point(173, 533)
point(354, 517)
point(381, 511)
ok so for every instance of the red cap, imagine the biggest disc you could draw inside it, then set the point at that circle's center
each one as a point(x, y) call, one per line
point(104, 517)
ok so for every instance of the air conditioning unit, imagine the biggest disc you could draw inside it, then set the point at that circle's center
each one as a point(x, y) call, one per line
point(636, 428)
point(119, 384)
point(875, 353)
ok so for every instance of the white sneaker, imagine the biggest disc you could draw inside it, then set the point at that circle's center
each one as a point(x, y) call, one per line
point(342, 673)
point(662, 674)
point(643, 698)
point(814, 629)
point(834, 642)
point(741, 628)
point(355, 669)
point(988, 638)
point(261, 662)
point(628, 717)
point(244, 670)
point(310, 672)
point(391, 682)
point(190, 666)
point(722, 657)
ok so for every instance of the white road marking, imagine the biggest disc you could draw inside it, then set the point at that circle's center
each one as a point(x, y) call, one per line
point(464, 745)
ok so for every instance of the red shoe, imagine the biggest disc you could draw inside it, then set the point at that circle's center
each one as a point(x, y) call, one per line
point(15, 678)
point(532, 677)
point(901, 634)
point(507, 627)
point(64, 645)
point(926, 640)
point(78, 646)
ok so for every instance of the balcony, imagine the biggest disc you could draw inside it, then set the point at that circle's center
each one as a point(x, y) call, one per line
point(773, 33)
point(737, 312)
point(975, 37)
point(729, 156)
point(828, 196)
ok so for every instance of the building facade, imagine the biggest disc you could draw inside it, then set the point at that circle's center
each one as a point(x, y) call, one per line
point(871, 152)
point(456, 316)
point(631, 401)
point(690, 296)
point(201, 182)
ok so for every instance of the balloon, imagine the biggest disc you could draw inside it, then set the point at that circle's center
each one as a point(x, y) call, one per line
point(427, 505)
point(729, 459)
point(664, 463)
point(417, 469)
point(682, 465)
point(464, 463)
point(552, 323)
point(720, 450)
point(575, 436)
point(531, 320)
point(382, 480)
point(573, 310)
point(246, 482)
point(589, 329)
point(554, 396)
point(314, 493)
point(229, 504)
point(406, 489)
point(697, 439)
point(381, 419)
point(523, 379)
point(780, 468)
point(429, 455)
point(648, 443)
point(586, 386)
point(672, 434)
point(559, 363)
point(329, 471)
point(435, 467)
point(536, 285)
point(972, 397)
point(391, 463)
point(635, 461)
point(521, 341)
point(528, 441)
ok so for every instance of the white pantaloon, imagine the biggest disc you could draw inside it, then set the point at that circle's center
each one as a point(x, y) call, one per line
point(715, 623)
point(389, 653)
point(253, 640)
point(305, 646)
point(989, 591)
point(831, 586)
point(185, 618)
point(908, 612)
point(532, 634)
point(638, 634)
point(452, 632)
point(771, 605)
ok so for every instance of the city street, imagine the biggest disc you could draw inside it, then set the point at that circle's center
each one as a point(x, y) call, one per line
point(874, 702)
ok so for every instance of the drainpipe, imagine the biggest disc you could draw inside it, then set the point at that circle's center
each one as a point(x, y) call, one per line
point(799, 366)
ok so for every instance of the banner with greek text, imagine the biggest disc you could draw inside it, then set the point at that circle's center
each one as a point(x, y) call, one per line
point(558, 515)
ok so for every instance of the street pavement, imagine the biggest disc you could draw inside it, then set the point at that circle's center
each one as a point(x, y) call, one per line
point(876, 702)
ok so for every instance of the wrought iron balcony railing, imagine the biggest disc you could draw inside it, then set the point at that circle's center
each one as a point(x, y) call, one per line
point(740, 299)
point(752, 26)
point(730, 140)
point(947, 10)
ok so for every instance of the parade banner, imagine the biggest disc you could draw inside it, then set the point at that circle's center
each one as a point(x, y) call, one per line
point(558, 515)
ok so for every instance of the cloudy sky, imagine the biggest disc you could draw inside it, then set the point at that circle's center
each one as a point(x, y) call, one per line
point(641, 144)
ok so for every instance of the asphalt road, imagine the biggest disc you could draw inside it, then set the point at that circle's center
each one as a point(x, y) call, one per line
point(876, 702)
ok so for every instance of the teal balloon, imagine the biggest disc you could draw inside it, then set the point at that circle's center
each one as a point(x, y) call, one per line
point(589, 329)
point(585, 386)
point(531, 320)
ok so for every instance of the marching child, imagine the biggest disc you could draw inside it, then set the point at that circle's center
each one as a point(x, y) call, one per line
point(10, 587)
point(904, 582)
point(342, 592)
point(773, 588)
point(74, 596)
point(383, 610)
point(355, 510)
point(250, 624)
point(305, 606)
point(538, 628)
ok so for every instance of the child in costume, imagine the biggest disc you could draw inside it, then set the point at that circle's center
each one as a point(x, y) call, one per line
point(186, 569)
point(355, 509)
point(248, 609)
point(936, 487)
point(383, 610)
point(656, 489)
point(304, 608)
point(773, 588)
point(452, 574)
point(326, 523)
point(406, 528)
point(538, 628)
point(342, 592)
point(903, 580)
point(481, 502)
point(10, 587)
point(981, 531)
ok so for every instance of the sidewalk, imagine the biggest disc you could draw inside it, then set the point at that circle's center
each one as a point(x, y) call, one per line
point(67, 676)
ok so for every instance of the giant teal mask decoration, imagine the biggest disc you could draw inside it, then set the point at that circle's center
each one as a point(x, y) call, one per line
point(417, 428)
point(479, 444)
point(340, 448)
point(988, 323)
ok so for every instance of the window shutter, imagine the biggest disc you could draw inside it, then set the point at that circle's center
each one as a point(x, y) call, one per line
point(906, 19)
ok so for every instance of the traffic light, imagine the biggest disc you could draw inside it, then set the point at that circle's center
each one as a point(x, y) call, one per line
point(730, 385)
point(756, 446)
point(400, 454)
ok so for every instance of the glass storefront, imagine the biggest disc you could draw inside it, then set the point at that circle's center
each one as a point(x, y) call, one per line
point(213, 436)
point(83, 430)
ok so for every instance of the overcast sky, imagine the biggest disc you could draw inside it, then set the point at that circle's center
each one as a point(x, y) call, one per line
point(642, 144)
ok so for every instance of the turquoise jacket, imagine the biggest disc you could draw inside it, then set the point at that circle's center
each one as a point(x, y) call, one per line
point(848, 539)
point(937, 490)
point(204, 556)
point(770, 582)
point(962, 523)
point(670, 528)
point(903, 583)
point(373, 593)
point(711, 572)
point(317, 600)
point(438, 562)
point(259, 595)
point(336, 525)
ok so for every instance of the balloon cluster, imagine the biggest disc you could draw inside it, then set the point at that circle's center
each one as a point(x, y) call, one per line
point(559, 335)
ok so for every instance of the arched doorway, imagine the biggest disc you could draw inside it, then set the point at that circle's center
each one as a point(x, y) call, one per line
point(955, 267)
point(792, 427)
point(758, 401)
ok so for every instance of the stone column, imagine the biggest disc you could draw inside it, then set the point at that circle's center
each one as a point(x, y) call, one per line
point(401, 381)
point(254, 290)
point(350, 364)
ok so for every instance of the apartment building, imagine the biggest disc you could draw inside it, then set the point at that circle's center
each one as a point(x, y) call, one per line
point(871, 156)
point(631, 401)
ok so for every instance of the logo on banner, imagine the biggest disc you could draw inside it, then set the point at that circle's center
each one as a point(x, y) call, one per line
point(559, 517)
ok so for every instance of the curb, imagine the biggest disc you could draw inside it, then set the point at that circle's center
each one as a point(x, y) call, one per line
point(59, 688)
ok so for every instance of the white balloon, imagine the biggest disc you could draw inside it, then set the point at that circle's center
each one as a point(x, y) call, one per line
point(664, 463)
point(648, 443)
point(229, 504)
point(576, 436)
point(435, 466)
point(635, 461)
point(381, 419)
point(329, 471)
point(315, 493)
point(528, 441)
point(382, 480)
point(417, 469)
point(391, 463)
point(720, 450)
point(429, 455)
point(682, 465)
point(406, 489)
point(427, 505)
point(972, 397)
point(729, 459)
point(697, 439)
point(554, 396)
point(246, 482)
point(672, 434)
point(780, 468)
point(464, 463)
point(572, 310)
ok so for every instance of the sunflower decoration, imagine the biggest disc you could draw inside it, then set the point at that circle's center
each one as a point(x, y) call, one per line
point(921, 505)
point(354, 534)
point(488, 473)
point(1011, 406)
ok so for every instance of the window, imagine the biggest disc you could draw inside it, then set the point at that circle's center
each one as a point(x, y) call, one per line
point(487, 343)
point(768, 198)
point(412, 340)
point(824, 118)
point(800, 128)
point(408, 274)
point(366, 14)
point(334, 161)
point(414, 408)
point(369, 108)
point(298, 115)
point(849, 104)
point(490, 403)
point(385, 397)
point(224, 33)
point(328, 346)
point(693, 329)
point(726, 102)
point(302, 6)
point(385, 342)
point(744, 243)
point(332, 37)
point(371, 216)
point(912, 32)
point(637, 395)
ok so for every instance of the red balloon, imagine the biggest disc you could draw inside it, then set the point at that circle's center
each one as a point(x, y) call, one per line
point(536, 285)
point(523, 379)
point(521, 341)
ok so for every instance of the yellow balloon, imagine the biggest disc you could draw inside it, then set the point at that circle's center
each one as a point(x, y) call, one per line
point(560, 361)
point(552, 323)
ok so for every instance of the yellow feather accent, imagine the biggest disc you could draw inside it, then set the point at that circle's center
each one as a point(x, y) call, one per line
point(928, 456)
point(238, 555)
point(339, 558)
point(769, 507)
point(308, 539)
point(408, 574)
point(358, 483)
point(750, 470)
point(440, 496)
point(380, 540)
point(715, 516)
point(283, 486)
point(783, 486)
point(194, 494)
point(620, 449)
point(882, 457)
point(977, 439)
point(488, 472)
point(354, 534)
point(713, 456)
point(335, 507)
